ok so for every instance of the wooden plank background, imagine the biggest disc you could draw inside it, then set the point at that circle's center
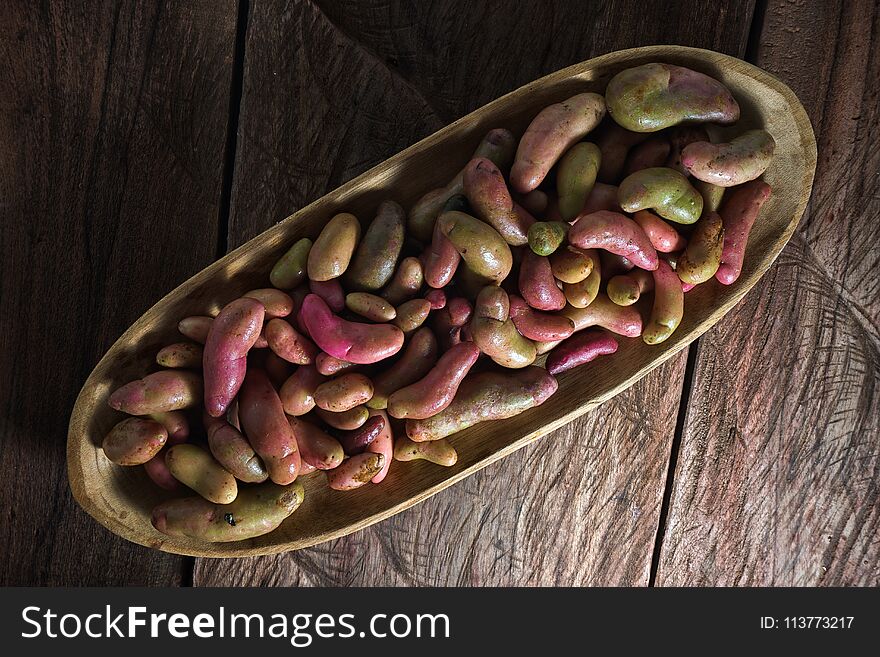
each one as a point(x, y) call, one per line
point(144, 133)
point(113, 134)
point(778, 478)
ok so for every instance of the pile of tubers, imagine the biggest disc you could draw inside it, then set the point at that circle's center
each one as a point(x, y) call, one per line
point(379, 343)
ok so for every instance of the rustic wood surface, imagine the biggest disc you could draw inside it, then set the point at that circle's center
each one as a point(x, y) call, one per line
point(113, 134)
point(331, 89)
point(778, 478)
point(114, 127)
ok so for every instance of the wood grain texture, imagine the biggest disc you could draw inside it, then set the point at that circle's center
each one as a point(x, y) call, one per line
point(112, 121)
point(778, 481)
point(556, 512)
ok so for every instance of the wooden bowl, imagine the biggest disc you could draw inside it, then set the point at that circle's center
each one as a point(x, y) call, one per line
point(121, 498)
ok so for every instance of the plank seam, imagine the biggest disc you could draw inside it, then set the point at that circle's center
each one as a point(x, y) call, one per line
point(235, 94)
point(674, 450)
point(753, 45)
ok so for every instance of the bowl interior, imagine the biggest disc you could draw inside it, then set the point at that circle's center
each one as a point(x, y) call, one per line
point(121, 498)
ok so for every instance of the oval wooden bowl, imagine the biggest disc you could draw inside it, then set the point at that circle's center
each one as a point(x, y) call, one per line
point(121, 498)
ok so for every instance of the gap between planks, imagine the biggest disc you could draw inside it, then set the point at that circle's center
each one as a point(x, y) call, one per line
point(235, 91)
point(674, 449)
